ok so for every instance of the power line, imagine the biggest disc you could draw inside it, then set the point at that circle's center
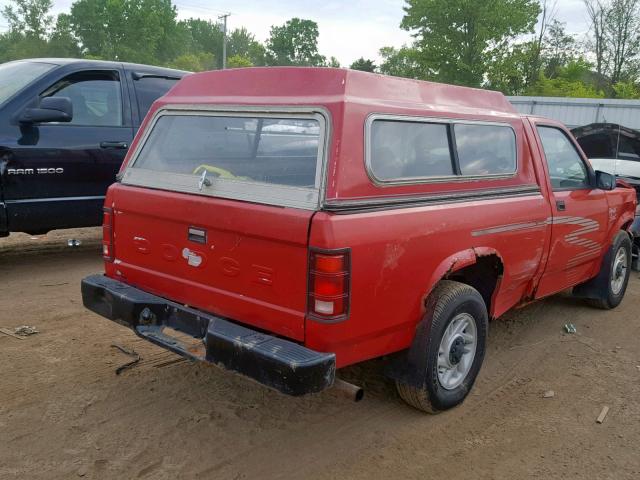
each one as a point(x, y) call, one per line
point(213, 11)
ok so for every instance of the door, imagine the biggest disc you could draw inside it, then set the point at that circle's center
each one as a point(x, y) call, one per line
point(58, 173)
point(580, 214)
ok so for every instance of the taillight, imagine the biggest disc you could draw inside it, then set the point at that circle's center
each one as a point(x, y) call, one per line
point(107, 234)
point(329, 282)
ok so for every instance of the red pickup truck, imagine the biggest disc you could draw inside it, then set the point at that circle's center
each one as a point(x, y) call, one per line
point(286, 222)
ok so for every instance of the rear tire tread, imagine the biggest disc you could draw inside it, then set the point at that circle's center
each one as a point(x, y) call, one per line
point(445, 292)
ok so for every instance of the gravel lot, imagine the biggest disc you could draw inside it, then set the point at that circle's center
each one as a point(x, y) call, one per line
point(64, 413)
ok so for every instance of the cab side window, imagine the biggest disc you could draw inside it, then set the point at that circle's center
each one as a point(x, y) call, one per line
point(96, 97)
point(567, 170)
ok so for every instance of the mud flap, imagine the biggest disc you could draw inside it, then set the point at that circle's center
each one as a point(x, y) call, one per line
point(597, 287)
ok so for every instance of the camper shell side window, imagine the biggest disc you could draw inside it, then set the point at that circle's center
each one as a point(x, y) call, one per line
point(400, 149)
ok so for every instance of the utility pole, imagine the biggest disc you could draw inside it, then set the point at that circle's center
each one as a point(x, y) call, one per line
point(224, 39)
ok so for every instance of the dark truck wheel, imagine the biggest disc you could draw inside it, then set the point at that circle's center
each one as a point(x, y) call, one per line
point(450, 348)
point(608, 288)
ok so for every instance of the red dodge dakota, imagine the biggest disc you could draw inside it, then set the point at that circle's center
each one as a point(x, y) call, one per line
point(286, 222)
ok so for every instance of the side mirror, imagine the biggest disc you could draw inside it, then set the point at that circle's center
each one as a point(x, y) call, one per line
point(51, 109)
point(605, 181)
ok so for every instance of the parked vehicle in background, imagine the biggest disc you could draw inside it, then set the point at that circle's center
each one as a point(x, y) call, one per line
point(286, 222)
point(65, 127)
point(615, 149)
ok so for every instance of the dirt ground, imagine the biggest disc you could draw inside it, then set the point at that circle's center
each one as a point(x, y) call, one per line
point(64, 413)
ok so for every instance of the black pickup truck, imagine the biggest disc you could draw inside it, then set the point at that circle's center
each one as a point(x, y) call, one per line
point(65, 127)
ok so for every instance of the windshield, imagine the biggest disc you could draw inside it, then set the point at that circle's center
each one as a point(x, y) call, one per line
point(270, 150)
point(16, 75)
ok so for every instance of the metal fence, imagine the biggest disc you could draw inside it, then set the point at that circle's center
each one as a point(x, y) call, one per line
point(575, 112)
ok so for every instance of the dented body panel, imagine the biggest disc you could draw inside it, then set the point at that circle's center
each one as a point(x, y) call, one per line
point(252, 262)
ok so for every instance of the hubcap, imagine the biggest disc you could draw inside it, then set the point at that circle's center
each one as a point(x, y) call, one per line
point(457, 351)
point(619, 273)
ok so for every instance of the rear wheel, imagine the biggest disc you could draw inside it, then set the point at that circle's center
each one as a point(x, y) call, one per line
point(452, 350)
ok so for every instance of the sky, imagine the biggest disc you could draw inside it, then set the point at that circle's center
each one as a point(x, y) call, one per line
point(348, 29)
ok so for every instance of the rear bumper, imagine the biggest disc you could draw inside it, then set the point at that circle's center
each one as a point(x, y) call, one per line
point(280, 364)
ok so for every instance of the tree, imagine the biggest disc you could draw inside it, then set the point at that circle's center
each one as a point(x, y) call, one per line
point(403, 62)
point(294, 43)
point(558, 49)
point(364, 65)
point(615, 37)
point(238, 61)
point(597, 14)
point(510, 70)
point(194, 62)
point(455, 39)
point(243, 44)
point(29, 17)
point(622, 33)
point(125, 30)
point(62, 42)
point(572, 80)
point(333, 63)
point(627, 90)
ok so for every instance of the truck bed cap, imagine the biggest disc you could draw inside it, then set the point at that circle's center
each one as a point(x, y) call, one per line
point(301, 85)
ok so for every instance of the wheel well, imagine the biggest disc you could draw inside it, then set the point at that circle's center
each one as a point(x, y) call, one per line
point(482, 275)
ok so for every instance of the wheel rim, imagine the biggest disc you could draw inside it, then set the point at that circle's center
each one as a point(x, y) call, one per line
point(457, 351)
point(619, 273)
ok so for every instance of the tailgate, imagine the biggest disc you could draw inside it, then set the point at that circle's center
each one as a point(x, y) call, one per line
point(240, 260)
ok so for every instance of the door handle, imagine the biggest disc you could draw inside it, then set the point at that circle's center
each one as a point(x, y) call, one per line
point(120, 145)
point(560, 205)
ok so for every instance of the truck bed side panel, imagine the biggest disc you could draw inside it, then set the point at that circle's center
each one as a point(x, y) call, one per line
point(395, 253)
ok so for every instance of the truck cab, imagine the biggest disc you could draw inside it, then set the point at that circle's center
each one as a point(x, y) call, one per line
point(293, 221)
point(65, 128)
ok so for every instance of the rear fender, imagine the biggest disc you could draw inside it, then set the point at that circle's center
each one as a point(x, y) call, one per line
point(457, 262)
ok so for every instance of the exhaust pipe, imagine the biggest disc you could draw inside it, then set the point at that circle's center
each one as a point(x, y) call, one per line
point(347, 390)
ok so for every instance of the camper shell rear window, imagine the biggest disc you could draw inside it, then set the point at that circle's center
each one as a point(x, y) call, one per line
point(273, 157)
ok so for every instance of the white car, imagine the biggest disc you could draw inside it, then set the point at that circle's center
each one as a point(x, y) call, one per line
point(611, 148)
point(615, 149)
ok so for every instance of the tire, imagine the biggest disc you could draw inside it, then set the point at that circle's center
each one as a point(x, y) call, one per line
point(449, 305)
point(617, 274)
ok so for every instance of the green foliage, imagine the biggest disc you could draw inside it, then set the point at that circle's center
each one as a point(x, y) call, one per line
point(476, 43)
point(456, 39)
point(364, 65)
point(403, 62)
point(627, 90)
point(125, 30)
point(63, 42)
point(558, 49)
point(194, 62)
point(243, 44)
point(294, 43)
point(238, 61)
point(508, 70)
point(201, 36)
point(569, 82)
point(561, 87)
point(333, 63)
point(29, 17)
